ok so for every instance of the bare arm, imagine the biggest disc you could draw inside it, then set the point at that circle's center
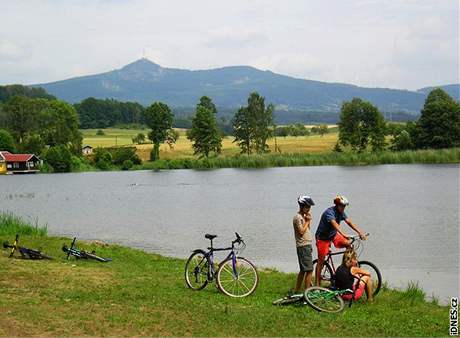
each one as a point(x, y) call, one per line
point(337, 227)
point(358, 271)
point(301, 229)
point(355, 228)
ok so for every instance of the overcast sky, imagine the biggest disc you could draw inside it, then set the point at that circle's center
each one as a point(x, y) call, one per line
point(375, 43)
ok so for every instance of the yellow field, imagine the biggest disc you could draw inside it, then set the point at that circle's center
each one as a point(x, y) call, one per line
point(183, 147)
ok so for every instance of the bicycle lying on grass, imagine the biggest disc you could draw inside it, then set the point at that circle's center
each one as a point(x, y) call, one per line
point(25, 252)
point(236, 276)
point(319, 298)
point(81, 253)
point(328, 269)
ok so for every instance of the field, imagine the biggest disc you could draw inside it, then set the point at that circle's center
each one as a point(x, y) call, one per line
point(183, 147)
point(143, 294)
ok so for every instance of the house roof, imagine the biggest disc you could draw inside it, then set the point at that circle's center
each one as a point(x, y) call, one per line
point(9, 157)
point(87, 147)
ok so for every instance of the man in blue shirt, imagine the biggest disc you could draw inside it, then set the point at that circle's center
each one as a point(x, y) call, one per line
point(329, 231)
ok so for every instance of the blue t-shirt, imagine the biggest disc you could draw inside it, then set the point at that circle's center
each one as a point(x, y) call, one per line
point(326, 231)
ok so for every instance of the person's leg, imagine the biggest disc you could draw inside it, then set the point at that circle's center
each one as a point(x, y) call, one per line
point(340, 241)
point(367, 281)
point(322, 248)
point(308, 277)
point(300, 278)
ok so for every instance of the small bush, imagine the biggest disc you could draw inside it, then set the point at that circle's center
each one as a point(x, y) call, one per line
point(127, 164)
point(100, 132)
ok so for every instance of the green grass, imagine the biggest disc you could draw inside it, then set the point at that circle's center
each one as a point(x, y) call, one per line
point(143, 294)
point(12, 225)
point(312, 159)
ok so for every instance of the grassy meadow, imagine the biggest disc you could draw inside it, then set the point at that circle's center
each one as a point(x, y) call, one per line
point(183, 147)
point(144, 294)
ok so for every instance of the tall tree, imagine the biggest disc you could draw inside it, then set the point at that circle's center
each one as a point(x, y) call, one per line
point(242, 130)
point(7, 141)
point(253, 125)
point(159, 118)
point(439, 123)
point(205, 134)
point(21, 116)
point(361, 124)
point(58, 125)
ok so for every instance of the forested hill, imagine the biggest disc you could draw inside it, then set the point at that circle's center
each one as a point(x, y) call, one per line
point(144, 81)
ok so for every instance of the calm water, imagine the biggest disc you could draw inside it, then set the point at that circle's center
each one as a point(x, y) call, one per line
point(411, 211)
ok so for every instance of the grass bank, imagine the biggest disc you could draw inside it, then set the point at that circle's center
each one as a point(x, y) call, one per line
point(143, 294)
point(310, 159)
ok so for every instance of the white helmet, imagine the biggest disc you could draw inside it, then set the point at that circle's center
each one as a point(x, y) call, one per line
point(341, 200)
point(305, 200)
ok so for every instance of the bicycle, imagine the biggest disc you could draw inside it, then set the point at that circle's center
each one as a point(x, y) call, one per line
point(328, 269)
point(25, 252)
point(319, 298)
point(81, 253)
point(236, 276)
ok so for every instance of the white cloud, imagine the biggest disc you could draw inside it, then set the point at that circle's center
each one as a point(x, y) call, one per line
point(399, 43)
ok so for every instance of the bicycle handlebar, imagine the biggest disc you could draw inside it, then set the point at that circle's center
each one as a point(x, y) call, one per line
point(356, 237)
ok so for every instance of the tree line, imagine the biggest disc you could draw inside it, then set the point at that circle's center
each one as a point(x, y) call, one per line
point(362, 126)
point(50, 128)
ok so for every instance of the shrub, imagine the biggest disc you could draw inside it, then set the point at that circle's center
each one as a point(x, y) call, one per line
point(59, 158)
point(100, 132)
point(127, 164)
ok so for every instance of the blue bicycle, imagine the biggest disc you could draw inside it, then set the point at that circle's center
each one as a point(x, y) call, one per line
point(236, 276)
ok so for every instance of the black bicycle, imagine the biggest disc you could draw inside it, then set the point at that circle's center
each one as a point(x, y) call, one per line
point(328, 269)
point(25, 252)
point(236, 276)
point(77, 253)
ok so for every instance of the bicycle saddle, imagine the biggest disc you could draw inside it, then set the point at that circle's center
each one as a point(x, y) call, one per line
point(211, 237)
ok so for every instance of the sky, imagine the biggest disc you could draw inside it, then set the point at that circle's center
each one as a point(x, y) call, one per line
point(405, 44)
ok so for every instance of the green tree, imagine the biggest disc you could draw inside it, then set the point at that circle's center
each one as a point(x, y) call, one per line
point(242, 130)
point(21, 116)
point(159, 118)
point(323, 129)
point(139, 138)
point(58, 124)
point(402, 141)
point(252, 125)
point(439, 123)
point(205, 134)
point(7, 141)
point(34, 144)
point(59, 158)
point(361, 124)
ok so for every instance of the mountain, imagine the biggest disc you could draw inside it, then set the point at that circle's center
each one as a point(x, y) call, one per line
point(145, 82)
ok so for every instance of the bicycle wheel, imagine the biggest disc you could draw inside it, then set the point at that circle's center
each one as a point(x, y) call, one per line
point(326, 274)
point(95, 257)
point(197, 270)
point(376, 277)
point(288, 300)
point(240, 281)
point(323, 299)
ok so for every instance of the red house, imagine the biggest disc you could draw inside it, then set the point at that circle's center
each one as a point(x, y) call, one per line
point(20, 163)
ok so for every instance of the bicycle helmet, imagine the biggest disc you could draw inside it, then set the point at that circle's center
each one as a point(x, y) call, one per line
point(341, 200)
point(305, 200)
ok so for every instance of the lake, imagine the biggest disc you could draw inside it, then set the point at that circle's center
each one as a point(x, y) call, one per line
point(411, 212)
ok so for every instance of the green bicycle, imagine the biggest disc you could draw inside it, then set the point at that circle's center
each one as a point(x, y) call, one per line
point(319, 298)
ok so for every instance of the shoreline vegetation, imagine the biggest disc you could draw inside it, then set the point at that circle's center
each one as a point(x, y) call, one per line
point(144, 294)
point(431, 156)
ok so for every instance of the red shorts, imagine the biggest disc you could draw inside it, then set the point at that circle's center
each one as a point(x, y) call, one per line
point(358, 292)
point(323, 246)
